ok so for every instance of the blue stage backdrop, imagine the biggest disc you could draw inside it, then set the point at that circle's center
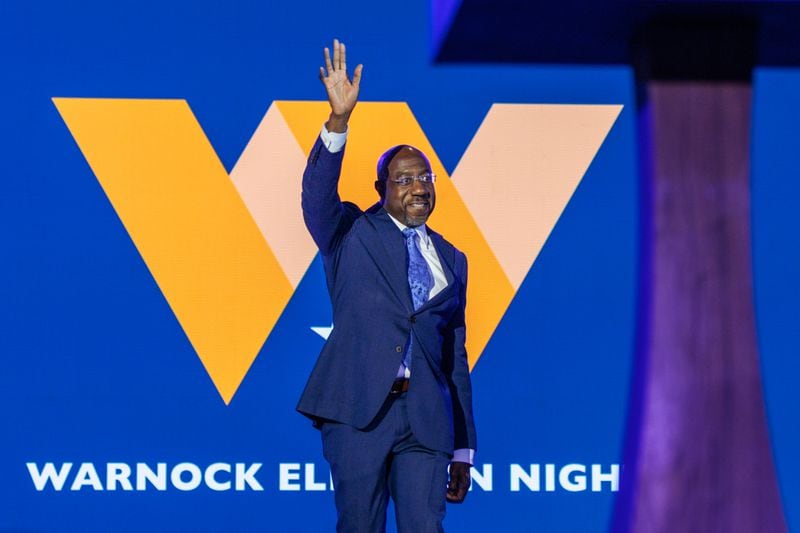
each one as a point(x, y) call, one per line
point(162, 308)
point(776, 256)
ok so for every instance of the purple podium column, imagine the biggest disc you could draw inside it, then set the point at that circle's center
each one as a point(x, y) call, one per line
point(698, 455)
point(704, 461)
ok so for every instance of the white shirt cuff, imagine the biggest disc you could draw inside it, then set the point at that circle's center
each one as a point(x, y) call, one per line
point(333, 141)
point(464, 455)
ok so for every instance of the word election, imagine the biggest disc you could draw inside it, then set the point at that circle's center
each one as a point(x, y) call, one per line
point(298, 477)
point(570, 478)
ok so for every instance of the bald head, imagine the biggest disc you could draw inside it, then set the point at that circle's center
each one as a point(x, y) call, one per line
point(386, 159)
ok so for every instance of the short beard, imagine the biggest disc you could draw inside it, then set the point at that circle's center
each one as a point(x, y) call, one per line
point(415, 222)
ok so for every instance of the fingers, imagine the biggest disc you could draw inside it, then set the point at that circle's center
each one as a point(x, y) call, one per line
point(337, 55)
point(456, 494)
point(328, 64)
point(338, 63)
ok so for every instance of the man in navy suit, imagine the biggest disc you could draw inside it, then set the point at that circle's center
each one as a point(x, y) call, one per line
point(391, 391)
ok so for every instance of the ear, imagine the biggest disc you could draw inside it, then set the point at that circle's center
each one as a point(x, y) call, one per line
point(380, 186)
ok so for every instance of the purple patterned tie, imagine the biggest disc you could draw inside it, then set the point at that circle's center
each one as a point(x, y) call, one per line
point(420, 279)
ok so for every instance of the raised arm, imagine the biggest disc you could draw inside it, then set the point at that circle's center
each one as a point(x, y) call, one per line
point(327, 219)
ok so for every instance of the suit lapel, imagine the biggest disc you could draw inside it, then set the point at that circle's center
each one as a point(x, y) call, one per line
point(447, 255)
point(387, 248)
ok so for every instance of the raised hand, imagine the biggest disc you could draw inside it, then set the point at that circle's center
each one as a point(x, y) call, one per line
point(342, 91)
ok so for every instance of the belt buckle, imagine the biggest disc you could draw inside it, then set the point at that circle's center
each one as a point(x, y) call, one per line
point(399, 386)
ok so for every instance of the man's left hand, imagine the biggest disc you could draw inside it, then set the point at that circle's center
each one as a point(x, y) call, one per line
point(459, 482)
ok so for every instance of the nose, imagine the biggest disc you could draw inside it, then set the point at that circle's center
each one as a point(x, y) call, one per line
point(420, 189)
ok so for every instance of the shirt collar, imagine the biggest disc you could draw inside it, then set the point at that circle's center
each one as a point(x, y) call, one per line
point(422, 230)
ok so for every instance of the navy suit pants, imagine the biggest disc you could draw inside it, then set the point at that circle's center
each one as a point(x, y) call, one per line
point(385, 460)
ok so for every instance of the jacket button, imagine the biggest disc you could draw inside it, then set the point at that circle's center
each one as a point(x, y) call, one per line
point(398, 348)
point(413, 319)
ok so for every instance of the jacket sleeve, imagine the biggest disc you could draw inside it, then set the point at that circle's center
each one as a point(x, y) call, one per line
point(457, 371)
point(326, 217)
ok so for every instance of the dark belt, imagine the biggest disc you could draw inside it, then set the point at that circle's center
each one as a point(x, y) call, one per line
point(399, 386)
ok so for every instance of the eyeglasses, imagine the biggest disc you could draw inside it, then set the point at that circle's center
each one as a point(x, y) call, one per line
point(405, 181)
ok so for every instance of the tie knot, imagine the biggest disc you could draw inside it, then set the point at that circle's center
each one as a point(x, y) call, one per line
point(409, 233)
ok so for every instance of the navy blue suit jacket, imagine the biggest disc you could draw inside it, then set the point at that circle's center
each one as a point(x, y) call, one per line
point(365, 264)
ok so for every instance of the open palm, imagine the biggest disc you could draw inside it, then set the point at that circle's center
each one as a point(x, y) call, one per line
point(342, 91)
